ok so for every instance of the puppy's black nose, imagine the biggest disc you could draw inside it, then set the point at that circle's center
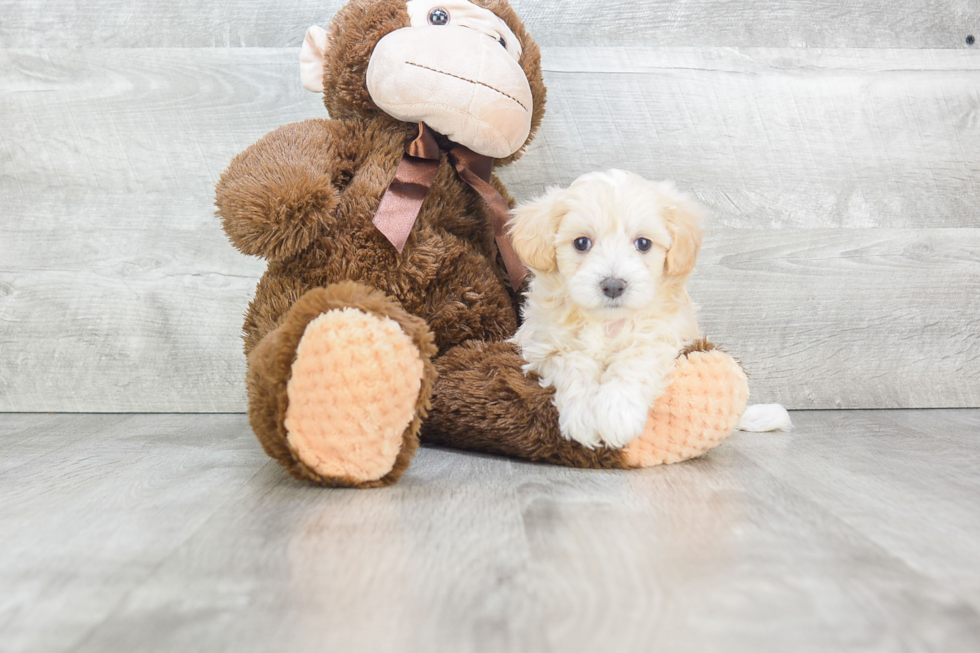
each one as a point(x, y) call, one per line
point(612, 288)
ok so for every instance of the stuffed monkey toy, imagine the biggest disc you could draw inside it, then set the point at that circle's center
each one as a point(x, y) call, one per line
point(383, 318)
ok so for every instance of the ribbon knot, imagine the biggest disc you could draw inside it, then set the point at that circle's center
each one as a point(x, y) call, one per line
point(402, 202)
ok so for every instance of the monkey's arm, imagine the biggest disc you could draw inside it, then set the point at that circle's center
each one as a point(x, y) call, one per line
point(277, 196)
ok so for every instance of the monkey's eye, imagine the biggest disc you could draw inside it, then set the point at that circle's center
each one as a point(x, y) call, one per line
point(582, 244)
point(438, 17)
point(643, 244)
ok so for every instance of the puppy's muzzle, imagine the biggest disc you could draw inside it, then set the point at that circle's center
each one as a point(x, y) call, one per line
point(613, 288)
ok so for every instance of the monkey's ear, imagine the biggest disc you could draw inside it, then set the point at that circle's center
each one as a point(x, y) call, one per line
point(533, 227)
point(313, 58)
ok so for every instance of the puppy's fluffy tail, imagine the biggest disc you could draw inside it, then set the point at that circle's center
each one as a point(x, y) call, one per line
point(761, 418)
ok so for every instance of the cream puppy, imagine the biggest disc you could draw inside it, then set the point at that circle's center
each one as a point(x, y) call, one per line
point(607, 311)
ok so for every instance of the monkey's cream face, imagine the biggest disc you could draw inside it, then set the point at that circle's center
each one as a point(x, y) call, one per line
point(456, 69)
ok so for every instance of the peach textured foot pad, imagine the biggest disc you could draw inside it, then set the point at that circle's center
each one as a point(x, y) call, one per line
point(352, 394)
point(702, 406)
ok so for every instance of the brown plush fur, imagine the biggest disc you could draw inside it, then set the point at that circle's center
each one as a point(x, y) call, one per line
point(303, 197)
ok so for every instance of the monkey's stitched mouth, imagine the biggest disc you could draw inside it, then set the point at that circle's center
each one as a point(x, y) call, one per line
point(471, 81)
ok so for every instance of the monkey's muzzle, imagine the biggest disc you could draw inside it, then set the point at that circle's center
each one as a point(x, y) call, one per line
point(459, 81)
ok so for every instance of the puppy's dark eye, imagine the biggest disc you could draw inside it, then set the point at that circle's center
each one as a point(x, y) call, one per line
point(582, 244)
point(643, 244)
point(438, 17)
point(503, 41)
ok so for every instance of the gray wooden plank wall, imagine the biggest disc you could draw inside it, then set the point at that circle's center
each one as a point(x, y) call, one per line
point(677, 23)
point(837, 146)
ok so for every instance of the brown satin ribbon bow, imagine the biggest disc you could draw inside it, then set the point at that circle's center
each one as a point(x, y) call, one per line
point(402, 201)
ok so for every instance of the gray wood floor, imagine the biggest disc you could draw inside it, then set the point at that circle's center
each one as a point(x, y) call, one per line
point(858, 531)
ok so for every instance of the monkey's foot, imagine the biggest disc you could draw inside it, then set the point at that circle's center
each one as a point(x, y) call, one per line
point(701, 407)
point(353, 396)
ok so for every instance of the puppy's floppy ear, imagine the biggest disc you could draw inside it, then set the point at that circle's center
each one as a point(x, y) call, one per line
point(683, 216)
point(532, 229)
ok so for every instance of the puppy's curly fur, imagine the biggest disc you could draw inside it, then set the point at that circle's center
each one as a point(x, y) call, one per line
point(607, 311)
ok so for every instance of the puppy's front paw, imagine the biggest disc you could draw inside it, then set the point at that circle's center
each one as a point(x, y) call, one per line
point(577, 422)
point(620, 417)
